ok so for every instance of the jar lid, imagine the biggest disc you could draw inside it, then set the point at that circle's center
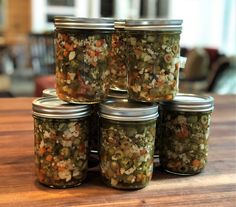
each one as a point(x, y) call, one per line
point(150, 24)
point(126, 110)
point(49, 92)
point(52, 107)
point(189, 102)
point(66, 22)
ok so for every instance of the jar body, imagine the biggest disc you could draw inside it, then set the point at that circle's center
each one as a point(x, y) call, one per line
point(126, 153)
point(82, 73)
point(61, 151)
point(183, 141)
point(153, 65)
point(117, 64)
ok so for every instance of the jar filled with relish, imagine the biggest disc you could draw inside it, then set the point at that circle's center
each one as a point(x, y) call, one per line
point(183, 132)
point(117, 64)
point(61, 134)
point(127, 143)
point(82, 48)
point(153, 58)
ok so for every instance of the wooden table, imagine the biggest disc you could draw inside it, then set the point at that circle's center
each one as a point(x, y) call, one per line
point(216, 186)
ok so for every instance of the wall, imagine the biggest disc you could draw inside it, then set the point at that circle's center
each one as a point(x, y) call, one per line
point(82, 8)
point(17, 21)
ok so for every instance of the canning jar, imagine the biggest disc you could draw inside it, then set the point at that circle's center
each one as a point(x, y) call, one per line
point(61, 133)
point(82, 52)
point(117, 63)
point(184, 125)
point(153, 52)
point(127, 143)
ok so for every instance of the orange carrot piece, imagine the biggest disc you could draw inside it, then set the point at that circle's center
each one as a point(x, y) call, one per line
point(196, 163)
point(65, 53)
point(69, 47)
point(92, 53)
point(42, 150)
point(49, 158)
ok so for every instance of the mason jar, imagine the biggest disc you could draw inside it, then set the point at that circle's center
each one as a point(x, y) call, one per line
point(117, 63)
point(184, 125)
point(82, 52)
point(61, 132)
point(127, 143)
point(153, 58)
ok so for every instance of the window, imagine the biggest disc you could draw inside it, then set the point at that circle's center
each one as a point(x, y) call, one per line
point(208, 23)
point(70, 3)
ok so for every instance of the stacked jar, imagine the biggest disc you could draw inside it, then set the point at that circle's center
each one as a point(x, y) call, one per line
point(61, 133)
point(153, 58)
point(184, 127)
point(127, 143)
point(82, 50)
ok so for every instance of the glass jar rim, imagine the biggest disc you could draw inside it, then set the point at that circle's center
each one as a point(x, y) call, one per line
point(66, 22)
point(53, 107)
point(150, 24)
point(189, 102)
point(128, 110)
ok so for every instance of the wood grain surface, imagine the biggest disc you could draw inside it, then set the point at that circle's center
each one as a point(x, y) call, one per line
point(215, 186)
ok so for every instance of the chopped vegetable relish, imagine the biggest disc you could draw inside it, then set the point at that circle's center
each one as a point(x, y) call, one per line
point(61, 151)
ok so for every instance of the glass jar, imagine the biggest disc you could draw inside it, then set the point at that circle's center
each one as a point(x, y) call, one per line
point(183, 133)
point(153, 58)
point(127, 143)
point(82, 52)
point(61, 132)
point(117, 63)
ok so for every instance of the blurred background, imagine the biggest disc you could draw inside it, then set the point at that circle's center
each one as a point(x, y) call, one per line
point(208, 40)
